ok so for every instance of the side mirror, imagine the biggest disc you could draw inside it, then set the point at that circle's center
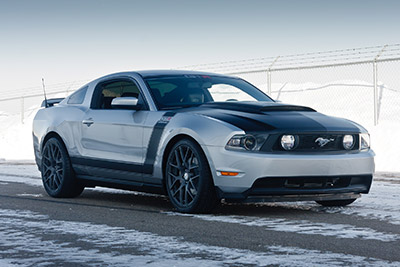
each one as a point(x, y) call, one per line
point(125, 103)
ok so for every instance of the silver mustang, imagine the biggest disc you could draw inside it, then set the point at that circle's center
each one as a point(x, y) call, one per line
point(198, 137)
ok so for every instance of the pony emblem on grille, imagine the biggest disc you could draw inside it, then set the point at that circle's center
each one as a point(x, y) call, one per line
point(323, 141)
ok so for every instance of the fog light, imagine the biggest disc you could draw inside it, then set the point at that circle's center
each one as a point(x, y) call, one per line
point(288, 142)
point(348, 142)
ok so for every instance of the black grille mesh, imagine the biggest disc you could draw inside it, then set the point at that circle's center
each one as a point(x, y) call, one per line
point(316, 142)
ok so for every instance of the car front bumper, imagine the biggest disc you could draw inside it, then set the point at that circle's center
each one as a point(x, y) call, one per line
point(263, 176)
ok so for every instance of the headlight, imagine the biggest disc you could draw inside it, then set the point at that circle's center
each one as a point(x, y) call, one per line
point(348, 142)
point(246, 142)
point(364, 141)
point(249, 142)
point(288, 142)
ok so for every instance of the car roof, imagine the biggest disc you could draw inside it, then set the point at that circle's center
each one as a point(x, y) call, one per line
point(154, 73)
point(159, 73)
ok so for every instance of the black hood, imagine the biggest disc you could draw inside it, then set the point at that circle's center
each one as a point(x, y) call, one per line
point(271, 116)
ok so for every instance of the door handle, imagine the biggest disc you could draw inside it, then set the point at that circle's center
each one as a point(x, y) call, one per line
point(88, 122)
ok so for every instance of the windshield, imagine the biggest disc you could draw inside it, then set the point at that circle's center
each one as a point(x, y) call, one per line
point(193, 90)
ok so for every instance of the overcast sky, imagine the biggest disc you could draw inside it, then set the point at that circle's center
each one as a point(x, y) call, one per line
point(80, 40)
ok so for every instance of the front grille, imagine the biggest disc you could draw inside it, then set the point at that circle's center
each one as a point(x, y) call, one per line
point(312, 142)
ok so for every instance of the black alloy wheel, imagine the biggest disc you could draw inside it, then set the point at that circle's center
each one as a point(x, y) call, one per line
point(188, 179)
point(57, 174)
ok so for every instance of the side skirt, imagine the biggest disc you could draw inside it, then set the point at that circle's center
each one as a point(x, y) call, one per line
point(93, 181)
point(118, 175)
point(114, 170)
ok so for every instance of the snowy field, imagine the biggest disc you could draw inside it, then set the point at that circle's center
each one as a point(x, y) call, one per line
point(37, 235)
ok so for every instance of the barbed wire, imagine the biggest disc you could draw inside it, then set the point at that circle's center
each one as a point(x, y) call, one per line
point(305, 59)
point(51, 88)
point(300, 64)
point(292, 56)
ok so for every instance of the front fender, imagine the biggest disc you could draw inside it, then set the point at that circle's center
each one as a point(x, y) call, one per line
point(204, 130)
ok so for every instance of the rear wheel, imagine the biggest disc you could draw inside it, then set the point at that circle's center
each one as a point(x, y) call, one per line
point(188, 179)
point(57, 174)
point(336, 203)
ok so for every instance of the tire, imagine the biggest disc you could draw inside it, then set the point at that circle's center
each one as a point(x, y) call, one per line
point(188, 177)
point(57, 174)
point(336, 203)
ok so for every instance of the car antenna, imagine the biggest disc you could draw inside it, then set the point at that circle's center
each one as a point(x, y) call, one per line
point(44, 92)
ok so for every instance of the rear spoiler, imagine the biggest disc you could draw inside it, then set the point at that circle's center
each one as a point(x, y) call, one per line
point(51, 102)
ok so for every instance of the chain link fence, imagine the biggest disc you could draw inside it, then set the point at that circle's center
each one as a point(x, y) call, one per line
point(368, 92)
point(359, 84)
point(388, 91)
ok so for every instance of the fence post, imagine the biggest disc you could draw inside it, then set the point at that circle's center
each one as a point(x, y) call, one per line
point(375, 66)
point(269, 82)
point(22, 110)
point(376, 96)
point(269, 85)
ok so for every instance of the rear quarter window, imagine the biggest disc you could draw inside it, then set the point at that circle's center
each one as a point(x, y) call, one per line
point(78, 97)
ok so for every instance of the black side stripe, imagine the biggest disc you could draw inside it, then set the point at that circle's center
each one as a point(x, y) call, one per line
point(154, 142)
point(147, 167)
point(106, 164)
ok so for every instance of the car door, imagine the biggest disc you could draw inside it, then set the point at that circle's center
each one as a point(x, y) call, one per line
point(112, 138)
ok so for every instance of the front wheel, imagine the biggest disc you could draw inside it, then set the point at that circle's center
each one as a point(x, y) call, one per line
point(189, 182)
point(336, 203)
point(57, 174)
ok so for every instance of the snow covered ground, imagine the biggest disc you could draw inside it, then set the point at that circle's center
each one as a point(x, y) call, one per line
point(16, 138)
point(144, 248)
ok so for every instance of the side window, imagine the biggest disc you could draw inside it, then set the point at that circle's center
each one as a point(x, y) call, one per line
point(78, 97)
point(110, 90)
point(161, 88)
